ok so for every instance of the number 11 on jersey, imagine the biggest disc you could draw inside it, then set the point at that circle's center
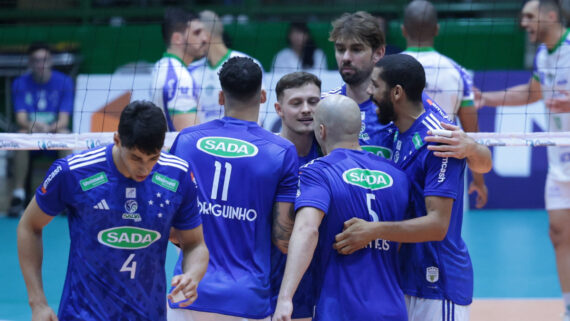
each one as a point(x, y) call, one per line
point(216, 182)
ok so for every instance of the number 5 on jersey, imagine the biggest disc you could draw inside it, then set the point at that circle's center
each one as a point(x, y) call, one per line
point(216, 182)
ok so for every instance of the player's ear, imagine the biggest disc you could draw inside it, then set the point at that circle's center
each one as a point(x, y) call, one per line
point(116, 139)
point(378, 54)
point(263, 96)
point(278, 109)
point(404, 32)
point(221, 98)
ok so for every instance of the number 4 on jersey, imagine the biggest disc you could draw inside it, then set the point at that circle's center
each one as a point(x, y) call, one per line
point(130, 268)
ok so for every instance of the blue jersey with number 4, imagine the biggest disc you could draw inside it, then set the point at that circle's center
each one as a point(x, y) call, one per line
point(346, 184)
point(119, 232)
point(241, 171)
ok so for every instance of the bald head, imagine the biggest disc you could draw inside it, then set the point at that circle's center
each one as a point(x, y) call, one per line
point(212, 23)
point(340, 116)
point(420, 21)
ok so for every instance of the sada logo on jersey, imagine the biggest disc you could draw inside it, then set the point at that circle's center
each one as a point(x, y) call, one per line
point(127, 237)
point(379, 151)
point(226, 147)
point(368, 179)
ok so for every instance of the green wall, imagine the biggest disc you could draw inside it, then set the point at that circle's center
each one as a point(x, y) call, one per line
point(477, 44)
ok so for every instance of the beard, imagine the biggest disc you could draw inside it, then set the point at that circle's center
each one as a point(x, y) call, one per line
point(386, 112)
point(358, 77)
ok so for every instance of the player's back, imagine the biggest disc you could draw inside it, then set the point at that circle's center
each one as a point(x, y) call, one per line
point(363, 285)
point(241, 171)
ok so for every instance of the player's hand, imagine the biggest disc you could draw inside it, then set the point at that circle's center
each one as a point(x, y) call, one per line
point(355, 236)
point(482, 192)
point(459, 145)
point(43, 313)
point(185, 285)
point(39, 127)
point(478, 98)
point(559, 104)
point(283, 310)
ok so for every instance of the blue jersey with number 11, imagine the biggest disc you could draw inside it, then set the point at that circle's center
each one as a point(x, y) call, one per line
point(241, 171)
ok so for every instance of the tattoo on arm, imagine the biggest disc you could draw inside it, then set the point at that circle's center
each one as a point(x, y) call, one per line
point(282, 225)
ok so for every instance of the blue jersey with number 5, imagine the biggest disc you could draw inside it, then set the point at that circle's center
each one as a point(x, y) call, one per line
point(241, 171)
point(347, 184)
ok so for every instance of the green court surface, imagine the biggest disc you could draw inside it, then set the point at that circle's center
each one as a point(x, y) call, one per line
point(511, 253)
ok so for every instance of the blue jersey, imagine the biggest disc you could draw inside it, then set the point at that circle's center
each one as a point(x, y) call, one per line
point(43, 102)
point(119, 232)
point(374, 137)
point(241, 171)
point(304, 298)
point(434, 270)
point(346, 184)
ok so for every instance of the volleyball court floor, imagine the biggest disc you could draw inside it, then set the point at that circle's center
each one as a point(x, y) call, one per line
point(515, 272)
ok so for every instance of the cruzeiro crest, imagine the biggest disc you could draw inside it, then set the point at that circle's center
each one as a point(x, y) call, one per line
point(131, 206)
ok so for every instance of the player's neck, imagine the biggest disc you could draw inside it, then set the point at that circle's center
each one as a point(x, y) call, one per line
point(43, 77)
point(358, 92)
point(553, 37)
point(419, 44)
point(179, 52)
point(243, 113)
point(353, 145)
point(302, 141)
point(408, 115)
point(217, 52)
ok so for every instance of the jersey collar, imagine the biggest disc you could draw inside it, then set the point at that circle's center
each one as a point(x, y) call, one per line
point(560, 41)
point(169, 55)
point(420, 49)
point(221, 61)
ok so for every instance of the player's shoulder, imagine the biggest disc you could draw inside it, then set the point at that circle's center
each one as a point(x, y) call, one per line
point(60, 76)
point(272, 138)
point(336, 91)
point(172, 165)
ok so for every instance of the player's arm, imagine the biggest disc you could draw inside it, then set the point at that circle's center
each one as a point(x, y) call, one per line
point(431, 227)
point(301, 248)
point(28, 126)
point(194, 264)
point(30, 253)
point(513, 96)
point(283, 220)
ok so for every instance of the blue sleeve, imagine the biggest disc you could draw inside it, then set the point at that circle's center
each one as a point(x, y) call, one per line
point(19, 96)
point(54, 189)
point(313, 190)
point(66, 104)
point(443, 176)
point(287, 187)
point(188, 216)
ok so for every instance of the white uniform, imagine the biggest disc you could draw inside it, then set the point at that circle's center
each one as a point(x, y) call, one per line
point(446, 81)
point(208, 86)
point(552, 69)
point(172, 88)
